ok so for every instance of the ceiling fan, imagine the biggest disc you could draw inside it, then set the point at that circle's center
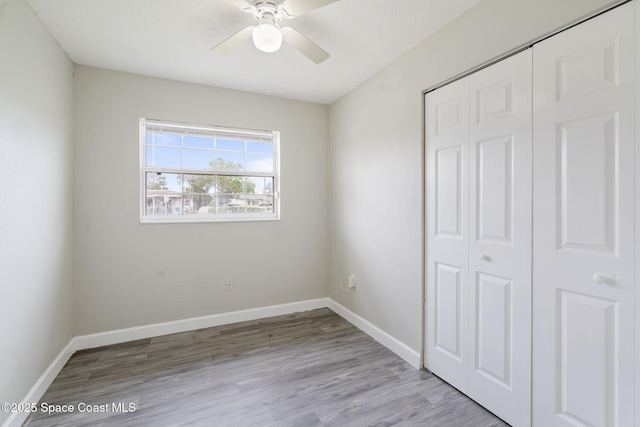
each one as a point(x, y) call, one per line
point(268, 34)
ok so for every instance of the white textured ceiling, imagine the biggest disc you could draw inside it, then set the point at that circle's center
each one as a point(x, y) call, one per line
point(171, 39)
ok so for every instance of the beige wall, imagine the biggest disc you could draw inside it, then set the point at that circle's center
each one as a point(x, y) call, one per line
point(376, 145)
point(129, 274)
point(36, 270)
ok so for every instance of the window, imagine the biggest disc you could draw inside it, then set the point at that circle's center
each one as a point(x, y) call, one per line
point(193, 173)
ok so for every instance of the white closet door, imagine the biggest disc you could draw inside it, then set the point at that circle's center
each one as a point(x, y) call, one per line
point(478, 256)
point(583, 253)
point(447, 234)
point(500, 239)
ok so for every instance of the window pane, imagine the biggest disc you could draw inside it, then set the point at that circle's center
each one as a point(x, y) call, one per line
point(260, 147)
point(198, 203)
point(230, 144)
point(198, 159)
point(163, 194)
point(174, 181)
point(259, 203)
point(197, 142)
point(229, 184)
point(167, 139)
point(260, 162)
point(164, 181)
point(229, 160)
point(174, 205)
point(229, 192)
point(233, 205)
point(148, 160)
point(166, 157)
point(259, 185)
point(199, 184)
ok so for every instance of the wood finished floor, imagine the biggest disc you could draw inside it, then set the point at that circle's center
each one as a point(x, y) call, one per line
point(305, 369)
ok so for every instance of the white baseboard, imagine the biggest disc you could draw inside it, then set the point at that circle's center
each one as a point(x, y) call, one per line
point(43, 383)
point(411, 356)
point(148, 331)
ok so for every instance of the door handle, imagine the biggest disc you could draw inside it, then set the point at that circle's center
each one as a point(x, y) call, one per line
point(601, 279)
point(484, 257)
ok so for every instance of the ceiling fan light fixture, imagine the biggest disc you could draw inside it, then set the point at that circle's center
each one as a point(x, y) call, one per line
point(267, 37)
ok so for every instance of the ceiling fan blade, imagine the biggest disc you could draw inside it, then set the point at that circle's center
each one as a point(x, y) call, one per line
point(304, 45)
point(234, 41)
point(298, 7)
point(243, 5)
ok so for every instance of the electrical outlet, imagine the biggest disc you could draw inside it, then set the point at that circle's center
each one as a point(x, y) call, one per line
point(228, 285)
point(352, 281)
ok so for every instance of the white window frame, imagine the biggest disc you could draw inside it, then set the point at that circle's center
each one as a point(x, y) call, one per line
point(215, 131)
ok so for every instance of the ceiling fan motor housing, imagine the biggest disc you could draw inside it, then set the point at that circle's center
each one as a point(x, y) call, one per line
point(269, 12)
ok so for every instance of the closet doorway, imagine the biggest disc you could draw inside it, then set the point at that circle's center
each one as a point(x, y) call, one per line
point(529, 229)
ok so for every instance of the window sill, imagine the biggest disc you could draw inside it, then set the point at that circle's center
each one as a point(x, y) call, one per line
point(174, 220)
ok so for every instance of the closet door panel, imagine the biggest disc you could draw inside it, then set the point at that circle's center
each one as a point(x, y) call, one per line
point(500, 238)
point(583, 329)
point(446, 331)
point(494, 197)
point(586, 182)
point(448, 187)
point(447, 325)
point(583, 224)
point(494, 338)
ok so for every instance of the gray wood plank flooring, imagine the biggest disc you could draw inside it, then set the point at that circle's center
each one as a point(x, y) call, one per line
point(306, 369)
